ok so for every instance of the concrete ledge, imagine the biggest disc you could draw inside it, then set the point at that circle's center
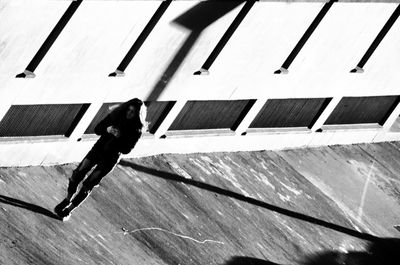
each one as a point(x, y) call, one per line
point(278, 130)
point(200, 133)
point(33, 139)
point(348, 127)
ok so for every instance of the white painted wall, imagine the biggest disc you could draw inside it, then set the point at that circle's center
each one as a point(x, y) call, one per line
point(93, 43)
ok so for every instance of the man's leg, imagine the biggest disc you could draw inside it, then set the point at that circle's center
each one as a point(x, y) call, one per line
point(92, 180)
point(77, 176)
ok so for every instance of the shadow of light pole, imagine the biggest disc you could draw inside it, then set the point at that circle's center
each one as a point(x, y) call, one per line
point(240, 197)
point(195, 20)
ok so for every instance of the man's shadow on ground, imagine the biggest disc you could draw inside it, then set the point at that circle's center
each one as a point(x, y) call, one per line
point(28, 206)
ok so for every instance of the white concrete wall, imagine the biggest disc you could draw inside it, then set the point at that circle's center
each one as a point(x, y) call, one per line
point(93, 43)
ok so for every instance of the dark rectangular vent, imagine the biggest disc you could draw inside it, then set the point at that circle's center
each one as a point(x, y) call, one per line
point(357, 110)
point(156, 112)
point(213, 114)
point(41, 120)
point(284, 113)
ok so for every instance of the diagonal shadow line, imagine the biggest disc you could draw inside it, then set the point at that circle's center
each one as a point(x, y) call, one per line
point(41, 53)
point(143, 36)
point(381, 35)
point(195, 20)
point(296, 50)
point(237, 196)
point(173, 66)
point(29, 206)
point(228, 34)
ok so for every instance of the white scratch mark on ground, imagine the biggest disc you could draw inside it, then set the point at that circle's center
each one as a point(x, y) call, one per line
point(187, 217)
point(264, 166)
point(22, 174)
point(233, 162)
point(200, 166)
point(261, 177)
point(206, 158)
point(179, 170)
point(291, 189)
point(388, 179)
point(292, 230)
point(99, 242)
point(364, 193)
point(284, 198)
point(125, 232)
point(102, 237)
point(240, 206)
point(378, 174)
point(230, 176)
point(348, 213)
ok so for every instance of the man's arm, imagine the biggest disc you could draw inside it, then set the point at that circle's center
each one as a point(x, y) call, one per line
point(101, 127)
point(130, 143)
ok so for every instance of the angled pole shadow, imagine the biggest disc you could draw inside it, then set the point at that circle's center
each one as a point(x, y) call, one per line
point(285, 66)
point(381, 35)
point(240, 197)
point(41, 53)
point(28, 206)
point(225, 38)
point(141, 39)
point(195, 20)
point(173, 66)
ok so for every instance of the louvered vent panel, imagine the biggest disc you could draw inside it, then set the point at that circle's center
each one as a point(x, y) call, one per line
point(283, 113)
point(156, 113)
point(215, 114)
point(41, 120)
point(356, 110)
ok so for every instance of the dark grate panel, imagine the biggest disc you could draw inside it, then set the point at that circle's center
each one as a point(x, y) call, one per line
point(356, 110)
point(214, 114)
point(283, 113)
point(156, 112)
point(41, 120)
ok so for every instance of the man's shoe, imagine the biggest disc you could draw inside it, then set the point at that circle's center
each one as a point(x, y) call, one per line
point(65, 214)
point(61, 206)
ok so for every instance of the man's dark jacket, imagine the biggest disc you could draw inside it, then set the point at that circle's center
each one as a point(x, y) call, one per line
point(130, 133)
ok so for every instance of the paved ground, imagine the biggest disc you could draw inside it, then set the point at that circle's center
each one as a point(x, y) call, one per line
point(305, 206)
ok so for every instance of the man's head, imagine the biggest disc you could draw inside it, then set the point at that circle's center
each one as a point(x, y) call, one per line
point(133, 108)
point(131, 112)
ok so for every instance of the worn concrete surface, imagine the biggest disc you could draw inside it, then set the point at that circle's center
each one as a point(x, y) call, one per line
point(216, 208)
